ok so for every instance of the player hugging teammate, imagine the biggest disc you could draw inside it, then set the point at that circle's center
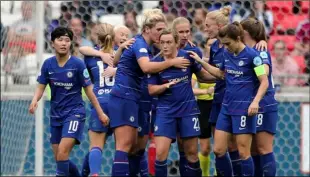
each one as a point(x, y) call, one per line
point(128, 73)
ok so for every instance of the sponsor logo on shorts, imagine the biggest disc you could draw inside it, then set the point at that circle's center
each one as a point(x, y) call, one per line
point(240, 128)
point(70, 132)
point(139, 129)
point(155, 128)
point(132, 118)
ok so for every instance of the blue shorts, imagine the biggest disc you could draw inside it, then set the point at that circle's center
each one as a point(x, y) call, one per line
point(267, 122)
point(187, 126)
point(215, 111)
point(95, 124)
point(236, 124)
point(153, 118)
point(73, 128)
point(123, 112)
point(144, 123)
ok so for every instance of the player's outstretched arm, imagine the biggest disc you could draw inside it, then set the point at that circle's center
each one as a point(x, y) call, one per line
point(159, 89)
point(89, 51)
point(204, 76)
point(150, 67)
point(216, 72)
point(37, 96)
point(199, 91)
point(263, 79)
point(92, 98)
point(262, 45)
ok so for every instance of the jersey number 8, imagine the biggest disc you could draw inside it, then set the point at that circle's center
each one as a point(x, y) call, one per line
point(104, 80)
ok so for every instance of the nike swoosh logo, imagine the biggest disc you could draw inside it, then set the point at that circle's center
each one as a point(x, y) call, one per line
point(50, 72)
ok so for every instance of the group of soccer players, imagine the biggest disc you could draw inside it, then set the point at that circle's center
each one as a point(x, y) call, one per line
point(132, 83)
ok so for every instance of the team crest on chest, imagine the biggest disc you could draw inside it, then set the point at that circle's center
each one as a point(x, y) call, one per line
point(69, 74)
point(184, 70)
point(241, 63)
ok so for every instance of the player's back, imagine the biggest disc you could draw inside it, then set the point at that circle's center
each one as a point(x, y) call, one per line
point(179, 100)
point(102, 85)
point(216, 59)
point(241, 80)
point(66, 84)
point(129, 74)
point(268, 103)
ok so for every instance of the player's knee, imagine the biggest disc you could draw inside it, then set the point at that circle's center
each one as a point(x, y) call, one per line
point(244, 151)
point(62, 155)
point(161, 154)
point(205, 149)
point(263, 149)
point(219, 151)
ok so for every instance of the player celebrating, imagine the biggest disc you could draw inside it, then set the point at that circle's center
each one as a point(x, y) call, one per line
point(262, 145)
point(102, 87)
point(66, 75)
point(123, 102)
point(243, 68)
point(177, 108)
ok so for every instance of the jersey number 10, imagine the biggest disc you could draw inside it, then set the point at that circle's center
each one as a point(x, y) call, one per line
point(104, 81)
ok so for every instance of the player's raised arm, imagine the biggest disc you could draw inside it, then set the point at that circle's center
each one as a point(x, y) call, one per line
point(122, 47)
point(209, 68)
point(89, 51)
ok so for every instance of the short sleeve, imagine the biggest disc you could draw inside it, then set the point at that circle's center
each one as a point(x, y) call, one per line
point(43, 77)
point(84, 77)
point(153, 79)
point(140, 49)
point(265, 57)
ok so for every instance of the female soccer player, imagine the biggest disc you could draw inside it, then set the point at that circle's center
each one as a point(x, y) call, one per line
point(126, 92)
point(246, 83)
point(181, 26)
point(262, 144)
point(102, 87)
point(177, 109)
point(66, 75)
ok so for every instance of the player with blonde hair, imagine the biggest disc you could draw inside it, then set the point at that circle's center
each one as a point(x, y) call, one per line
point(127, 90)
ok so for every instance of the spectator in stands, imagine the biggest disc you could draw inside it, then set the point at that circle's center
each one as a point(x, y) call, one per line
point(23, 32)
point(81, 9)
point(16, 65)
point(130, 19)
point(283, 64)
point(78, 37)
point(262, 13)
point(303, 38)
point(199, 17)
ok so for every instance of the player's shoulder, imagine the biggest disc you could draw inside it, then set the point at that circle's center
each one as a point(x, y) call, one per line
point(77, 61)
point(215, 45)
point(183, 53)
point(48, 61)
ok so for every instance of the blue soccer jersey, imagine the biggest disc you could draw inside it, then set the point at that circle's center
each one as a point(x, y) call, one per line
point(129, 74)
point(241, 81)
point(195, 49)
point(66, 85)
point(102, 85)
point(216, 59)
point(268, 103)
point(179, 100)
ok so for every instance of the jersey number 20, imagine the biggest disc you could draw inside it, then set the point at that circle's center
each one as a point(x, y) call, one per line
point(104, 80)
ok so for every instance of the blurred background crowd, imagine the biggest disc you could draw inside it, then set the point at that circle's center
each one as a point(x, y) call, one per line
point(286, 22)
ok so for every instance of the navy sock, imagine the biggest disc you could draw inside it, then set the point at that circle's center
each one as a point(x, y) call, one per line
point(120, 164)
point(182, 164)
point(257, 168)
point(235, 162)
point(85, 168)
point(247, 167)
point(62, 168)
point(193, 169)
point(144, 170)
point(161, 168)
point(223, 165)
point(268, 164)
point(95, 159)
point(73, 170)
point(134, 165)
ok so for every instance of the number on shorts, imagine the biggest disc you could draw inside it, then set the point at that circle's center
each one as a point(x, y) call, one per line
point(196, 123)
point(260, 119)
point(73, 125)
point(243, 121)
point(104, 80)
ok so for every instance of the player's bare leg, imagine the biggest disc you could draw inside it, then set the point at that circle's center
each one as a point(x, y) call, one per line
point(62, 155)
point(191, 152)
point(222, 160)
point(244, 142)
point(162, 150)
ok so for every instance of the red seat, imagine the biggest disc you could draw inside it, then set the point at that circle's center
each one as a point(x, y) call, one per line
point(280, 6)
point(292, 21)
point(305, 6)
point(300, 60)
point(289, 41)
